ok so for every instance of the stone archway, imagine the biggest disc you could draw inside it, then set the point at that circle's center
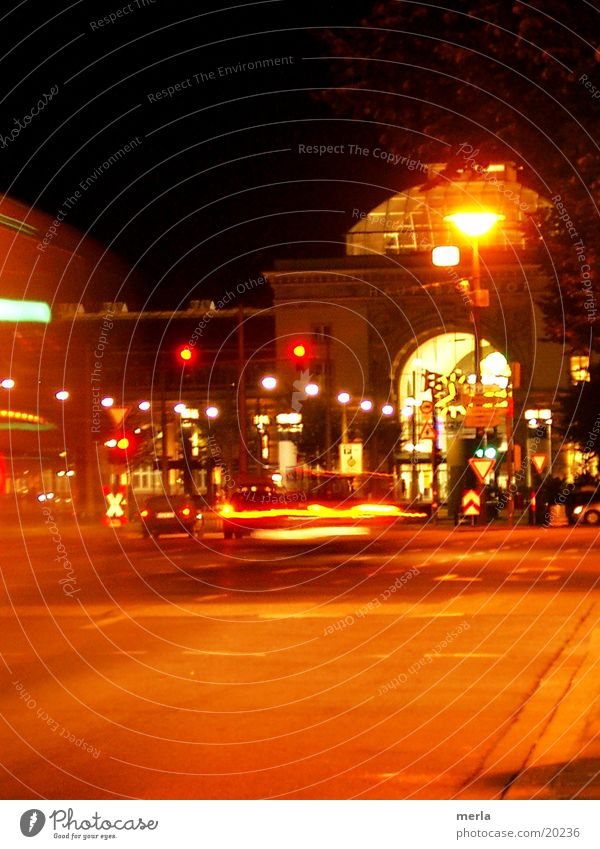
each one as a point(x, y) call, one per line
point(427, 429)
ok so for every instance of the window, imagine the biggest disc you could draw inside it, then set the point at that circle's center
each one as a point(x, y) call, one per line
point(580, 369)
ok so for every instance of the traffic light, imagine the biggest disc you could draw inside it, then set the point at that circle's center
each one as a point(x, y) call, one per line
point(186, 355)
point(300, 353)
point(121, 447)
point(487, 449)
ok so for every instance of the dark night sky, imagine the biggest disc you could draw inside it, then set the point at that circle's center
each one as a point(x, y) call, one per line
point(216, 189)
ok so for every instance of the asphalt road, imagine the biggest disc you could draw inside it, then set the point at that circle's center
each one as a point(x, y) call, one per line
point(422, 663)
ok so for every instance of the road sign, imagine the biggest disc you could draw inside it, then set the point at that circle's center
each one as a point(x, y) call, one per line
point(471, 503)
point(351, 458)
point(478, 416)
point(482, 467)
point(427, 431)
point(539, 461)
point(115, 501)
point(426, 408)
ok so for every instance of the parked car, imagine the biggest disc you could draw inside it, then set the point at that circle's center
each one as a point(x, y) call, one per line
point(170, 514)
point(588, 513)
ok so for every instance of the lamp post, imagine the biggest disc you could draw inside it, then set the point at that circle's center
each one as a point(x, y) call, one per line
point(365, 405)
point(410, 412)
point(344, 399)
point(474, 225)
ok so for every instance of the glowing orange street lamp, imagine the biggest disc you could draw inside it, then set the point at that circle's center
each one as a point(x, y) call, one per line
point(474, 225)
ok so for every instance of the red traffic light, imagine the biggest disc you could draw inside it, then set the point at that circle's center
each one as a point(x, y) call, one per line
point(186, 354)
point(300, 352)
point(121, 447)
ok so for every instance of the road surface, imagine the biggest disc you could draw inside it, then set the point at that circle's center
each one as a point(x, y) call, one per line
point(419, 664)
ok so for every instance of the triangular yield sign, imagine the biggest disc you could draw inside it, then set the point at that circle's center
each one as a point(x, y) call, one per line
point(539, 461)
point(481, 467)
point(118, 414)
point(428, 431)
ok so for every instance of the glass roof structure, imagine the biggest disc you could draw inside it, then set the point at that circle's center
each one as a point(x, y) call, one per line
point(413, 221)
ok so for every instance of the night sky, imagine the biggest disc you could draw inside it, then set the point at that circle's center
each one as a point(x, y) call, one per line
point(213, 187)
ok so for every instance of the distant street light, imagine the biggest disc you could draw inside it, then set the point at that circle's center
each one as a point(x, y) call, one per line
point(387, 410)
point(107, 401)
point(311, 389)
point(212, 412)
point(8, 383)
point(366, 406)
point(179, 408)
point(343, 398)
point(269, 382)
point(61, 395)
point(144, 406)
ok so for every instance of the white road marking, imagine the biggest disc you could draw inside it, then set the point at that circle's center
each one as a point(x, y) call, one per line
point(210, 597)
point(454, 577)
point(461, 654)
point(226, 653)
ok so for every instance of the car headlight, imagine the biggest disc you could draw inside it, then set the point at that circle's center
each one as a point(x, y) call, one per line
point(577, 511)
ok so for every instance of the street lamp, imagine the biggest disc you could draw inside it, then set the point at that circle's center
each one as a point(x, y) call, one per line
point(366, 406)
point(312, 390)
point(387, 410)
point(61, 395)
point(269, 382)
point(144, 406)
point(344, 399)
point(474, 225)
point(8, 383)
point(106, 402)
point(212, 412)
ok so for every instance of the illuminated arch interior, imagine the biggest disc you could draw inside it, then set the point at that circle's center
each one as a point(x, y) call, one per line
point(445, 353)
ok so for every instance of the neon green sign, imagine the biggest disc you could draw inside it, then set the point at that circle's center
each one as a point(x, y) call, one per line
point(24, 311)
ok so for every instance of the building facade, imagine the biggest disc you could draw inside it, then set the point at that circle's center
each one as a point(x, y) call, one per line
point(387, 324)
